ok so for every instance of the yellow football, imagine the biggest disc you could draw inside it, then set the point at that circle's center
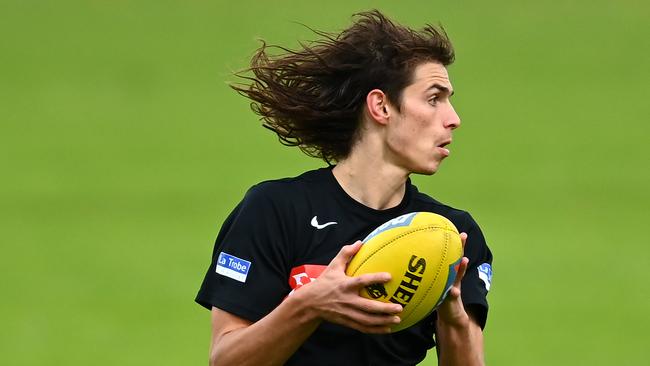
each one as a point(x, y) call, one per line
point(421, 251)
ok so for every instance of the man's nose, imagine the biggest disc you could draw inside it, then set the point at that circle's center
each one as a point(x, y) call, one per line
point(453, 120)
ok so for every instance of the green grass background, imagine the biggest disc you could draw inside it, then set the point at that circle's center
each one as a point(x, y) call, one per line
point(122, 150)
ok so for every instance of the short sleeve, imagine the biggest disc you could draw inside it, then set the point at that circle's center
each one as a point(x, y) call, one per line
point(478, 278)
point(248, 273)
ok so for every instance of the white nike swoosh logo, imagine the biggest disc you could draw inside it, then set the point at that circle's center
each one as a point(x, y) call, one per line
point(314, 223)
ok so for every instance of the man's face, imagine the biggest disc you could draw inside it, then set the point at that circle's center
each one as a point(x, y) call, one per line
point(417, 135)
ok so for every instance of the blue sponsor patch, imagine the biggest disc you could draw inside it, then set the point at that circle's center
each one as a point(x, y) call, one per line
point(485, 274)
point(233, 267)
point(403, 220)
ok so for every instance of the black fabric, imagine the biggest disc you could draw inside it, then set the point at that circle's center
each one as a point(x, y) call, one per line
point(272, 229)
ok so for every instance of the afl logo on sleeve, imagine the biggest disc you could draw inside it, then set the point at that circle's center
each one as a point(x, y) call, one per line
point(233, 267)
point(485, 274)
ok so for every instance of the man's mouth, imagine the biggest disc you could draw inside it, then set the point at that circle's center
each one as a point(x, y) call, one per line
point(442, 148)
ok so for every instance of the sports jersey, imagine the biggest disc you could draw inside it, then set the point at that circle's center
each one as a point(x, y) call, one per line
point(283, 234)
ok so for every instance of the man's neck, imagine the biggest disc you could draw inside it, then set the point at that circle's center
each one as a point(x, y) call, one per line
point(371, 182)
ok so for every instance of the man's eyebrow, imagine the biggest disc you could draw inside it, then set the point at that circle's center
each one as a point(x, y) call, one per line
point(442, 88)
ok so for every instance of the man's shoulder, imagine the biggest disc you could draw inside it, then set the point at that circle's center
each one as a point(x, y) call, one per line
point(461, 218)
point(288, 189)
point(423, 199)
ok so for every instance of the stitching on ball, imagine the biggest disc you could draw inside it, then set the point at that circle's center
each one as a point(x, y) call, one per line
point(444, 257)
point(398, 237)
point(412, 231)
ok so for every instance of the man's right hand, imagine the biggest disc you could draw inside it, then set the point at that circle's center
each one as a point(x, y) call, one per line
point(334, 297)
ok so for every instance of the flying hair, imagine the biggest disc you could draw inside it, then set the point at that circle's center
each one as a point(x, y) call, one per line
point(313, 97)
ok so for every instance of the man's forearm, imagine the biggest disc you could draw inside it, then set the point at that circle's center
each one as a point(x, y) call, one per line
point(269, 341)
point(460, 344)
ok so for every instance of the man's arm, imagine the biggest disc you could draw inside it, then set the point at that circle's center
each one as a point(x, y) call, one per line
point(334, 297)
point(458, 334)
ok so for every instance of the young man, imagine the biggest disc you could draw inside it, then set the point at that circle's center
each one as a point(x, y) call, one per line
point(375, 101)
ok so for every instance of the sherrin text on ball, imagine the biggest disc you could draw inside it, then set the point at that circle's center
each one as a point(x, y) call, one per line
point(421, 251)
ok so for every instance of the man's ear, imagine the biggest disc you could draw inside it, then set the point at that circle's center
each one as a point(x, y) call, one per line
point(378, 106)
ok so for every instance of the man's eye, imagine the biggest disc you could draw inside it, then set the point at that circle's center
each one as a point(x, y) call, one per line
point(433, 100)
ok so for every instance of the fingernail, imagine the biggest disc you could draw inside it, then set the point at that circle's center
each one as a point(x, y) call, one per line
point(397, 320)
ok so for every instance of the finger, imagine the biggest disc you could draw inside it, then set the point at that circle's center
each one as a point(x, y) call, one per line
point(369, 323)
point(345, 254)
point(378, 307)
point(373, 320)
point(454, 293)
point(463, 239)
point(369, 279)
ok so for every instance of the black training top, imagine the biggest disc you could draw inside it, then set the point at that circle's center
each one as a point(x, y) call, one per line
point(283, 234)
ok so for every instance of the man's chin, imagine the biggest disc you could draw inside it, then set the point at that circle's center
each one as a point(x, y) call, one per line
point(430, 170)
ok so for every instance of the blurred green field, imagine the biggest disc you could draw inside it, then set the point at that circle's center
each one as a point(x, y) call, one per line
point(123, 149)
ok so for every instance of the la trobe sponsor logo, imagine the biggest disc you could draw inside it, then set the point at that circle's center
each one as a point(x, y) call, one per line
point(232, 267)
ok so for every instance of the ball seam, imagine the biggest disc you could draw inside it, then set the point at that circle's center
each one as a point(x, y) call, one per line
point(444, 256)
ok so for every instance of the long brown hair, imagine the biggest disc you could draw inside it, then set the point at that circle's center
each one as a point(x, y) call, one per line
point(313, 97)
